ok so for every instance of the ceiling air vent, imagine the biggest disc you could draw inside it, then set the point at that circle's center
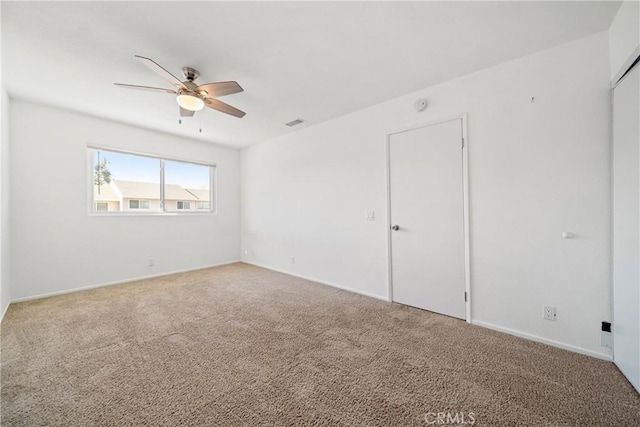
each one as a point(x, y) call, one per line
point(294, 122)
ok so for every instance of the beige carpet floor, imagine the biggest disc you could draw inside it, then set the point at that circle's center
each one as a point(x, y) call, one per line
point(240, 345)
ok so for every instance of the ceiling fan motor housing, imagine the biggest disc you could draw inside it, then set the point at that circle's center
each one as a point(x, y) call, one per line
point(190, 88)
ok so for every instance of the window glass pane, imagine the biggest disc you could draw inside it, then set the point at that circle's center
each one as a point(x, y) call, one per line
point(126, 181)
point(186, 184)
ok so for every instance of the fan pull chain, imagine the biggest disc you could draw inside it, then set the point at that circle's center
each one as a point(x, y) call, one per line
point(199, 127)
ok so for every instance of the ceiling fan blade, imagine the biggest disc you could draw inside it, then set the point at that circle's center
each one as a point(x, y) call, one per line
point(186, 113)
point(219, 88)
point(149, 88)
point(225, 108)
point(156, 68)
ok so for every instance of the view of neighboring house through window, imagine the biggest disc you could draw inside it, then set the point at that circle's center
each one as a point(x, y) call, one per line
point(138, 204)
point(185, 184)
point(125, 182)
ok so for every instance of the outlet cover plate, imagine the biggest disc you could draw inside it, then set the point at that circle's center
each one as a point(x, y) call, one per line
point(549, 313)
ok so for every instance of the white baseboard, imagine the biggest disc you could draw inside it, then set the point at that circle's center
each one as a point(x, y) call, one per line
point(536, 338)
point(118, 282)
point(4, 311)
point(322, 282)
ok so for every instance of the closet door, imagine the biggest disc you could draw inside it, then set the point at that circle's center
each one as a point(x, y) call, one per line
point(626, 226)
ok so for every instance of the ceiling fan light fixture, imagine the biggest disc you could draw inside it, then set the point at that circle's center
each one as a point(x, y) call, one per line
point(190, 102)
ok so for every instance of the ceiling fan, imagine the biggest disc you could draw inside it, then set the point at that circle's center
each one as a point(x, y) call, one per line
point(190, 96)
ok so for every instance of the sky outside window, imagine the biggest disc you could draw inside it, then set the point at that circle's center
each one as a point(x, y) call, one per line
point(187, 175)
point(129, 167)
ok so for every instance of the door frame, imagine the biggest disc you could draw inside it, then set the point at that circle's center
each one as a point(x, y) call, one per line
point(465, 194)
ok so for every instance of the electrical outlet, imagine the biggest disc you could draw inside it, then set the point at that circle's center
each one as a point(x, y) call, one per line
point(152, 262)
point(371, 215)
point(549, 312)
point(246, 252)
point(605, 339)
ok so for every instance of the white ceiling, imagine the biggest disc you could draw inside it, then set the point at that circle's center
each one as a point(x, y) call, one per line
point(314, 60)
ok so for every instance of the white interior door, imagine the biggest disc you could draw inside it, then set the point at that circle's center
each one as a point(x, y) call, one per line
point(626, 227)
point(426, 195)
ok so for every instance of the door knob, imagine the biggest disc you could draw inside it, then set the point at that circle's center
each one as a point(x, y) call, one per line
point(395, 227)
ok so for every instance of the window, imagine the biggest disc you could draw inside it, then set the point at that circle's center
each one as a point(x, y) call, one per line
point(186, 184)
point(125, 182)
point(138, 204)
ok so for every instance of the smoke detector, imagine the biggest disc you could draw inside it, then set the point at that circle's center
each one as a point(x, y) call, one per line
point(420, 104)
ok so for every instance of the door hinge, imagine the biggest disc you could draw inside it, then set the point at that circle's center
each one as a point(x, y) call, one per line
point(465, 296)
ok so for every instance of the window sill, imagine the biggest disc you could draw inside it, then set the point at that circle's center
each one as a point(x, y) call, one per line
point(126, 214)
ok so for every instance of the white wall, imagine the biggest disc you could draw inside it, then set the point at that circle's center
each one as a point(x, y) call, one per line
point(624, 37)
point(536, 169)
point(5, 228)
point(57, 246)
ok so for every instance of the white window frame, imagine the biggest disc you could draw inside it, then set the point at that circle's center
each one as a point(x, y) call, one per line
point(213, 193)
